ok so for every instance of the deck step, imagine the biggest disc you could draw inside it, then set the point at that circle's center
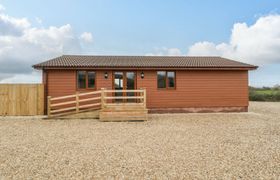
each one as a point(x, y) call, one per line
point(123, 115)
point(124, 107)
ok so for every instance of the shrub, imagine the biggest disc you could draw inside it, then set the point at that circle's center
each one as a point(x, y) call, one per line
point(254, 96)
point(264, 95)
point(277, 96)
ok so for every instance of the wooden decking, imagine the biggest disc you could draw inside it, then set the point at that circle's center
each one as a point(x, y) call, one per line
point(124, 112)
point(101, 104)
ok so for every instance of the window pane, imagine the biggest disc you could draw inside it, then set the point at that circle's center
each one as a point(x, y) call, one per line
point(91, 79)
point(81, 79)
point(130, 76)
point(171, 79)
point(118, 80)
point(118, 76)
point(161, 79)
point(130, 84)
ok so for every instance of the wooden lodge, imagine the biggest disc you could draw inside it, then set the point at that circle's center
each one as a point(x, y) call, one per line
point(128, 87)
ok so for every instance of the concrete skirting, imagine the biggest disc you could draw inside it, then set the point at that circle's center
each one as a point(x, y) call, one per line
point(198, 110)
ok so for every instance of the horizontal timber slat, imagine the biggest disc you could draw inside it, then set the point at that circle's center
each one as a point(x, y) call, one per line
point(62, 110)
point(63, 97)
point(89, 93)
point(124, 97)
point(90, 99)
point(73, 112)
point(64, 103)
point(90, 105)
point(124, 104)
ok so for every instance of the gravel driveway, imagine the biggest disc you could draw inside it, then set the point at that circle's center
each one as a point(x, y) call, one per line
point(171, 146)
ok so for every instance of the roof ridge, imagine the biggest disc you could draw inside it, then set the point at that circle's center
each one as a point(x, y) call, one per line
point(87, 55)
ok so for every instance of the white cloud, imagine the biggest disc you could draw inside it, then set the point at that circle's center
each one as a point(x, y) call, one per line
point(18, 53)
point(258, 44)
point(2, 8)
point(204, 48)
point(12, 26)
point(86, 37)
point(174, 52)
point(163, 51)
point(34, 77)
point(22, 45)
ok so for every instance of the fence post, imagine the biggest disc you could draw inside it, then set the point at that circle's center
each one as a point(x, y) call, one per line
point(77, 102)
point(49, 106)
point(103, 98)
point(145, 97)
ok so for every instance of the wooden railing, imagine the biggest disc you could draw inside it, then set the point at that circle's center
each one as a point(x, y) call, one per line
point(76, 103)
point(80, 102)
point(139, 96)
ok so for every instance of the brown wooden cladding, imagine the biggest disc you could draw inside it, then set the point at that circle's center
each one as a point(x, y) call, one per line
point(61, 82)
point(198, 89)
point(193, 88)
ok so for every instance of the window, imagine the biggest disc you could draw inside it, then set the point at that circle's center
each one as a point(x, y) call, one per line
point(171, 79)
point(166, 79)
point(161, 76)
point(81, 79)
point(91, 79)
point(85, 79)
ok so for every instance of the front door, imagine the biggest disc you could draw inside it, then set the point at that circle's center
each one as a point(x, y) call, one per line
point(124, 80)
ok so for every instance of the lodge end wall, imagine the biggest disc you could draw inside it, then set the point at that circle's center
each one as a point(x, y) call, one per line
point(194, 89)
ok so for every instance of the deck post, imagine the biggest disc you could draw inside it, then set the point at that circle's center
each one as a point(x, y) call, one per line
point(140, 94)
point(77, 102)
point(102, 98)
point(49, 106)
point(145, 98)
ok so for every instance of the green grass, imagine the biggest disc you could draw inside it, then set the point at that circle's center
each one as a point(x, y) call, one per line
point(265, 91)
point(259, 94)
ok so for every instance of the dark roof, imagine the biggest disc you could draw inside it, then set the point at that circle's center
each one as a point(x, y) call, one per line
point(181, 62)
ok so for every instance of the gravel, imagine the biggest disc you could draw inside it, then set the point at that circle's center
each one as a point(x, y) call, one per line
point(170, 146)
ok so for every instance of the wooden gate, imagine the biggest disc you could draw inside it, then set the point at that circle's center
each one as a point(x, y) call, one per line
point(21, 99)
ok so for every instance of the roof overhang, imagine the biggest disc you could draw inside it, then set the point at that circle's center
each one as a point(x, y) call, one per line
point(143, 63)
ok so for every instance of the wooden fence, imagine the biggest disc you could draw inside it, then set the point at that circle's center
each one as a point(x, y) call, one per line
point(21, 99)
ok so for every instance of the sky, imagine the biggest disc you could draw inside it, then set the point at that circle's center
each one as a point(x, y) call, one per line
point(32, 31)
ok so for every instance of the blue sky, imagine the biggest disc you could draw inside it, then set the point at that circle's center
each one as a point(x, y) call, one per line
point(126, 27)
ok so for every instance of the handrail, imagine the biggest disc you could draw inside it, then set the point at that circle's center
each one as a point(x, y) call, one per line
point(124, 97)
point(99, 101)
point(71, 96)
point(62, 97)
